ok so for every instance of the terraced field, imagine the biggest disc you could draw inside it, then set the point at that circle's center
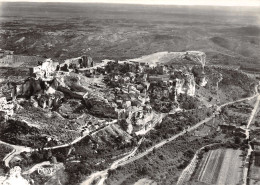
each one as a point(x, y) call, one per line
point(221, 167)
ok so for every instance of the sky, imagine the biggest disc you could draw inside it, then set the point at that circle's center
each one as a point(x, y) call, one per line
point(160, 2)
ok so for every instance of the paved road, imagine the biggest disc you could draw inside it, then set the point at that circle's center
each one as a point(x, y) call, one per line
point(77, 139)
point(253, 112)
point(165, 141)
point(127, 159)
point(17, 150)
point(101, 175)
point(236, 101)
point(249, 151)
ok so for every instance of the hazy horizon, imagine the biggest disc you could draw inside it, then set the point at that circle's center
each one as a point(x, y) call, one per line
point(254, 3)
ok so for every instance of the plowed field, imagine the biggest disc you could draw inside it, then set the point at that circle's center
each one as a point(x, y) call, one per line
point(221, 167)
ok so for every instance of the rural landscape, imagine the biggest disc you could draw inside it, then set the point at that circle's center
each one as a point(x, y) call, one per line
point(129, 94)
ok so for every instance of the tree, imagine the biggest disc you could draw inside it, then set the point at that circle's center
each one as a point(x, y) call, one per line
point(37, 156)
point(237, 140)
point(110, 172)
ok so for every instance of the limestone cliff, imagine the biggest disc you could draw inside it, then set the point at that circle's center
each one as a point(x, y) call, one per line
point(203, 82)
point(190, 85)
point(185, 82)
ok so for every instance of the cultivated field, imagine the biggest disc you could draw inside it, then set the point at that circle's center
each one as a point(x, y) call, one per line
point(254, 173)
point(221, 167)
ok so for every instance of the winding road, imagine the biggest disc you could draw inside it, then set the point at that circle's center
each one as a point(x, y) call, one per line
point(102, 175)
point(17, 150)
point(77, 139)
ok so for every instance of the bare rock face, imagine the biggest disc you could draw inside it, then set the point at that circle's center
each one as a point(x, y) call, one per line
point(203, 82)
point(179, 86)
point(185, 82)
point(14, 177)
point(46, 69)
point(129, 128)
point(42, 93)
point(190, 85)
point(50, 100)
point(196, 56)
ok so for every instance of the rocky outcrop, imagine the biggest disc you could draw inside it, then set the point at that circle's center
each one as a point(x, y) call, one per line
point(196, 56)
point(100, 106)
point(41, 93)
point(179, 86)
point(27, 88)
point(45, 70)
point(14, 177)
point(185, 82)
point(50, 100)
point(203, 82)
point(190, 85)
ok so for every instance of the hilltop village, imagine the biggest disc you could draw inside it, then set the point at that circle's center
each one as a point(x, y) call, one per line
point(89, 112)
point(133, 88)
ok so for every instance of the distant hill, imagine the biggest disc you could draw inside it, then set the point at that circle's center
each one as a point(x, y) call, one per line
point(119, 32)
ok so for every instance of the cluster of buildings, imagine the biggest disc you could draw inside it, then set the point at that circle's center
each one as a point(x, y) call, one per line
point(6, 108)
point(233, 129)
point(136, 86)
point(4, 53)
point(48, 69)
point(140, 84)
point(41, 86)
